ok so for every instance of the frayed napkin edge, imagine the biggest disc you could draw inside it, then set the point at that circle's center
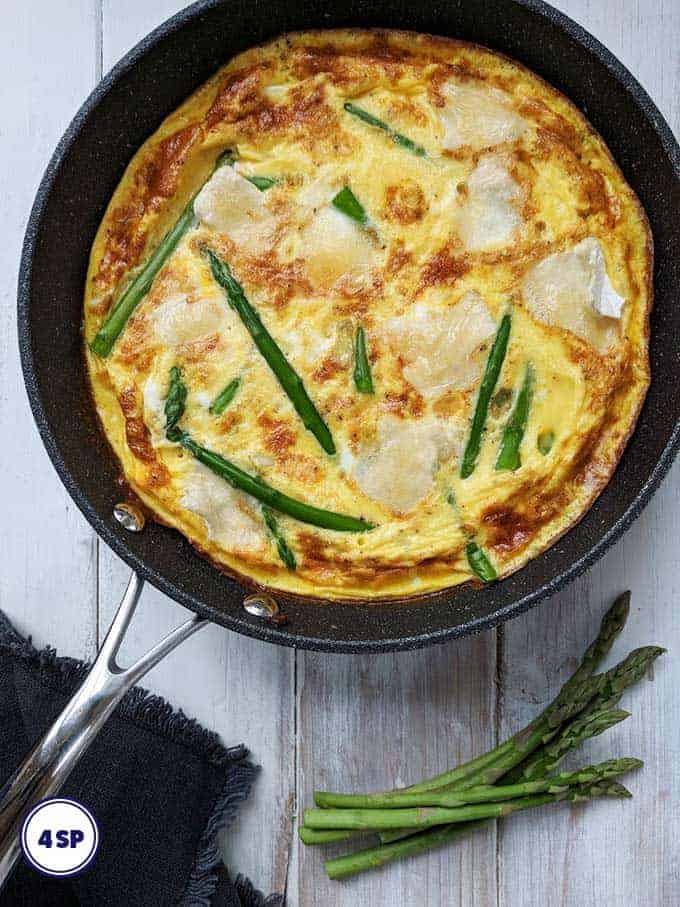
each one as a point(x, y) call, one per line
point(154, 713)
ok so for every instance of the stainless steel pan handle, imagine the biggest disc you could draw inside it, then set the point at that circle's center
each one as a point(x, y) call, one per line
point(52, 760)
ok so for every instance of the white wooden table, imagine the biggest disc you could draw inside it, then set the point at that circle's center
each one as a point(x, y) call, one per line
point(342, 721)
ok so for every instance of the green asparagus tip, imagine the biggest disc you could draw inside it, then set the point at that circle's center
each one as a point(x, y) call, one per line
point(631, 669)
point(492, 370)
point(347, 202)
point(284, 550)
point(402, 140)
point(614, 789)
point(619, 611)
point(224, 398)
point(175, 402)
point(479, 563)
point(509, 456)
point(611, 626)
point(262, 182)
point(363, 378)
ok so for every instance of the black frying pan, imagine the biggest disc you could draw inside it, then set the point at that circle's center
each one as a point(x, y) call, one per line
point(130, 103)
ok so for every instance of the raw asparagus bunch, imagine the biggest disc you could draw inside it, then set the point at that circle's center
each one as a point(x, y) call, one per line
point(394, 801)
point(516, 775)
point(377, 856)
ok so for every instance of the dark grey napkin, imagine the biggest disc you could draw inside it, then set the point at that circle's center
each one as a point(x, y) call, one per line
point(160, 786)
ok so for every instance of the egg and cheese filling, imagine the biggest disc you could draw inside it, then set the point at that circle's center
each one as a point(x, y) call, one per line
point(453, 282)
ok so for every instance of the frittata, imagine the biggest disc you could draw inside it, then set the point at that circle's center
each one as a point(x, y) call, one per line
point(394, 279)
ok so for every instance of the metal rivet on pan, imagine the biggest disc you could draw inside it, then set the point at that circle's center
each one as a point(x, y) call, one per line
point(264, 606)
point(129, 517)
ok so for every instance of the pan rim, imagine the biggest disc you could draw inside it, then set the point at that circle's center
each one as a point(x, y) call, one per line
point(243, 625)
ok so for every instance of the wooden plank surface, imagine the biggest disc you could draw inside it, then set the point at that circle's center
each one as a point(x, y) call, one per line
point(611, 853)
point(373, 722)
point(314, 720)
point(48, 583)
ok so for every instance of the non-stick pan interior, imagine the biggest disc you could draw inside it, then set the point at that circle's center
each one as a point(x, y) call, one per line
point(129, 105)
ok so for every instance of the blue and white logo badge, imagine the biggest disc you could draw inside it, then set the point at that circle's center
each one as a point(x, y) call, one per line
point(59, 837)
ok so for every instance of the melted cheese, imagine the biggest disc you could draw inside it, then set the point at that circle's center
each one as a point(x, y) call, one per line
point(399, 470)
point(603, 297)
point(443, 346)
point(489, 217)
point(230, 204)
point(335, 246)
point(154, 410)
point(478, 116)
point(178, 321)
point(226, 513)
point(572, 290)
point(307, 344)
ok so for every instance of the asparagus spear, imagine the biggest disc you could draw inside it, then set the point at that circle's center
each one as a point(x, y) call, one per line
point(362, 367)
point(224, 398)
point(325, 519)
point(262, 182)
point(596, 717)
point(373, 857)
point(175, 400)
point(396, 137)
point(282, 546)
point(311, 836)
point(494, 363)
point(288, 378)
point(481, 794)
point(547, 758)
point(138, 288)
point(480, 563)
point(513, 434)
point(611, 625)
point(419, 817)
point(347, 202)
point(487, 769)
point(353, 863)
point(593, 720)
point(426, 816)
point(615, 681)
point(599, 712)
